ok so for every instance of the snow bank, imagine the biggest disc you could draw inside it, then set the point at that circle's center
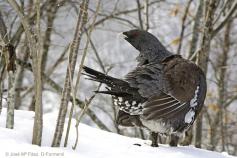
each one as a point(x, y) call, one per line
point(93, 143)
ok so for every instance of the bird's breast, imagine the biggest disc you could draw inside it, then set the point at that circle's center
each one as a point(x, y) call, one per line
point(157, 126)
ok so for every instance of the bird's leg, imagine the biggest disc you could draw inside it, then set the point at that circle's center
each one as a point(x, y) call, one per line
point(174, 140)
point(154, 139)
point(187, 138)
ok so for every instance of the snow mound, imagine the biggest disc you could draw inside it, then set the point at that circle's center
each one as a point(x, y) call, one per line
point(93, 143)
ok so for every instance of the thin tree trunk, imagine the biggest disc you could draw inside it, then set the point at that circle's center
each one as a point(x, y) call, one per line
point(196, 30)
point(222, 80)
point(10, 60)
point(147, 25)
point(193, 47)
point(203, 58)
point(52, 9)
point(10, 56)
point(183, 26)
point(139, 14)
point(20, 75)
point(10, 100)
point(1, 87)
point(221, 83)
point(38, 120)
point(75, 89)
point(37, 58)
point(2, 62)
point(82, 19)
point(59, 90)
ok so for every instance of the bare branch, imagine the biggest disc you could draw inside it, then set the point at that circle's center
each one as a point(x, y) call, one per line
point(183, 26)
point(226, 19)
point(82, 19)
point(59, 90)
point(139, 14)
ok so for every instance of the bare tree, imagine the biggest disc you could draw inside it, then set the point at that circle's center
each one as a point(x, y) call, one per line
point(221, 70)
point(82, 19)
point(32, 29)
point(37, 58)
point(203, 57)
point(9, 56)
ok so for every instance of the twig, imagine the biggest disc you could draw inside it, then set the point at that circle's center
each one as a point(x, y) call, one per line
point(230, 101)
point(96, 53)
point(51, 12)
point(224, 22)
point(74, 91)
point(59, 60)
point(81, 22)
point(87, 103)
point(127, 21)
point(25, 24)
point(73, 103)
point(59, 89)
point(107, 17)
point(147, 15)
point(194, 55)
point(196, 31)
point(19, 31)
point(139, 14)
point(183, 26)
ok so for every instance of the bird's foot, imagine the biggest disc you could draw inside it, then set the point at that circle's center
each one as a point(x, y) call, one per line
point(174, 140)
point(150, 143)
point(173, 144)
point(154, 139)
point(154, 145)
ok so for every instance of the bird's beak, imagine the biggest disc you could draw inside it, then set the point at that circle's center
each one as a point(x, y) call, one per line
point(123, 35)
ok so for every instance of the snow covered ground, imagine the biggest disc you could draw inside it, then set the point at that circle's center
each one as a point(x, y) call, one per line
point(93, 143)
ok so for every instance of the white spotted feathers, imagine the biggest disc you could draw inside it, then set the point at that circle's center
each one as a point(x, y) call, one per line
point(189, 117)
point(131, 107)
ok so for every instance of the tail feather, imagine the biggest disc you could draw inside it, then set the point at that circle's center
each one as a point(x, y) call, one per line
point(118, 94)
point(98, 76)
point(126, 97)
point(115, 86)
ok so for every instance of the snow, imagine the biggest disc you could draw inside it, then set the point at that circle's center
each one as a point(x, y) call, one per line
point(93, 143)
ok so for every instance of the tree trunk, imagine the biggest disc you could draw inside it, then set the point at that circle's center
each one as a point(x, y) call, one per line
point(193, 47)
point(9, 56)
point(20, 75)
point(203, 56)
point(1, 87)
point(221, 83)
point(38, 120)
point(82, 19)
point(52, 9)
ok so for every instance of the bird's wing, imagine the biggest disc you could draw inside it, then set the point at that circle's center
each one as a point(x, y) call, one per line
point(148, 79)
point(163, 106)
point(169, 87)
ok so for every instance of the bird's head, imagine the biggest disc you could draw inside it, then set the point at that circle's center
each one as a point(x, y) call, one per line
point(148, 45)
point(139, 38)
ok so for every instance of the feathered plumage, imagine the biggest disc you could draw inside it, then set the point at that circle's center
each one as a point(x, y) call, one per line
point(164, 93)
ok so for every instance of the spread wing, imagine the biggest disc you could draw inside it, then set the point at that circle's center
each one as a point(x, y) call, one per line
point(168, 87)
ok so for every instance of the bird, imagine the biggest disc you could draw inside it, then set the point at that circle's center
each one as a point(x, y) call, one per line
point(164, 93)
